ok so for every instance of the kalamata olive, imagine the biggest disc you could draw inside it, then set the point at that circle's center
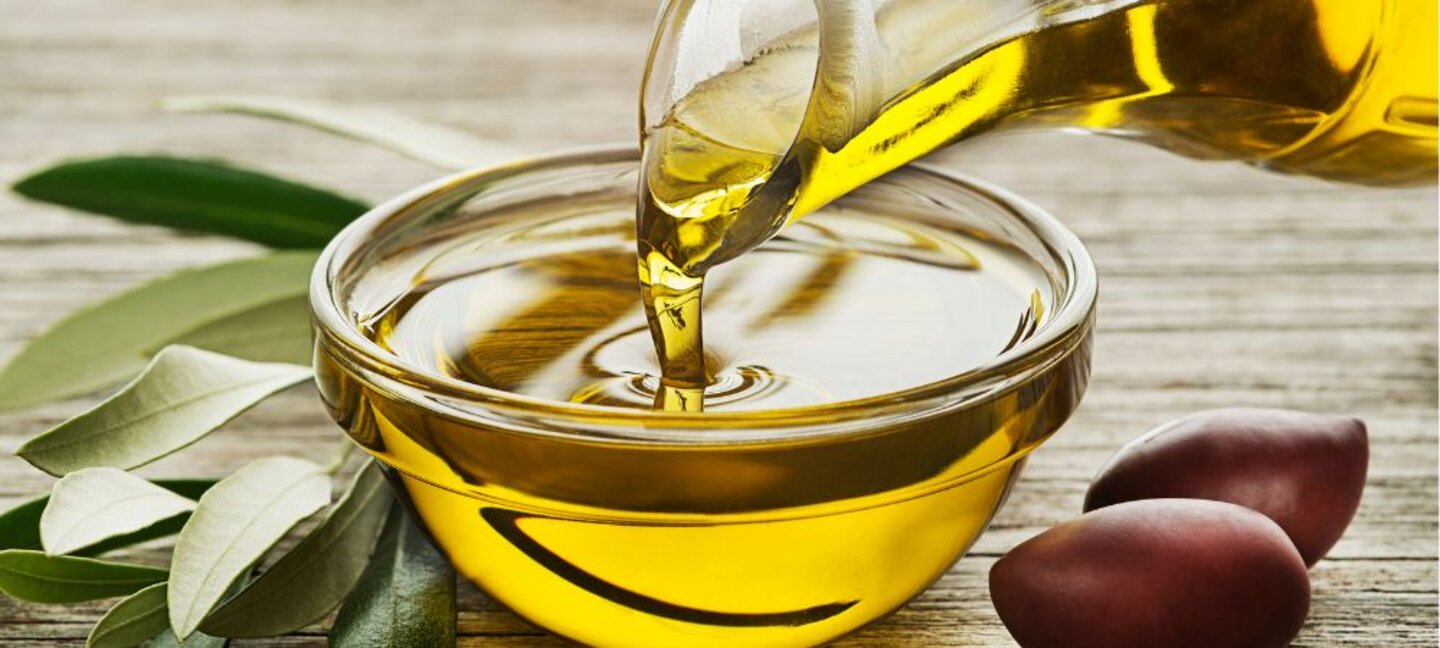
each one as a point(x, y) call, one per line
point(1305, 471)
point(1177, 573)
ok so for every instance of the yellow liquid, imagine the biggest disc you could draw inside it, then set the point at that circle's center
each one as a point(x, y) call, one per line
point(1337, 89)
point(623, 542)
point(843, 307)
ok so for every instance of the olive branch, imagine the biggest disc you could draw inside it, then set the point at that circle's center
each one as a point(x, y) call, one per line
point(194, 350)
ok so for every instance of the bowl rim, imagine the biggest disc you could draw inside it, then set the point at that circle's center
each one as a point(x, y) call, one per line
point(1070, 325)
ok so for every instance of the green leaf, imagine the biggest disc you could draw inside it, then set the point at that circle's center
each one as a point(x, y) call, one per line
point(188, 488)
point(236, 523)
point(274, 332)
point(95, 504)
point(314, 577)
point(182, 396)
point(20, 526)
point(405, 598)
point(33, 576)
point(108, 342)
point(441, 146)
point(142, 617)
point(134, 620)
point(197, 195)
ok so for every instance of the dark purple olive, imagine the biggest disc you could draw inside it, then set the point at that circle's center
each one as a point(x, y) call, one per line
point(1305, 471)
point(1177, 573)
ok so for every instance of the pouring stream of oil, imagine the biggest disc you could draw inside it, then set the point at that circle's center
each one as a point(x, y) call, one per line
point(1336, 89)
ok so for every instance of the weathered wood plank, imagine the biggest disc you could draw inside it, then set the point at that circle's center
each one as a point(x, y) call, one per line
point(1220, 285)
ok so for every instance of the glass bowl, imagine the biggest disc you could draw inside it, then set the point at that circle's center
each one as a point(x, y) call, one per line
point(627, 527)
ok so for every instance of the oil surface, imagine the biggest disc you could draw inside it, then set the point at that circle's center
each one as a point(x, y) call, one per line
point(841, 307)
point(1336, 89)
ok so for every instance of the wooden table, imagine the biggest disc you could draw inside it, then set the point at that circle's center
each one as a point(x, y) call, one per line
point(1220, 285)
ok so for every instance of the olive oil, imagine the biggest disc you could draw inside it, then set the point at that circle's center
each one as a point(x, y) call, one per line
point(1337, 89)
point(870, 378)
point(877, 382)
point(843, 307)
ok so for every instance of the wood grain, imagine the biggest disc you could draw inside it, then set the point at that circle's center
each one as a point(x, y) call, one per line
point(1221, 285)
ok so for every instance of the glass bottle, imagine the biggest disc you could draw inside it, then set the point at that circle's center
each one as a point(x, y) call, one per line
point(756, 112)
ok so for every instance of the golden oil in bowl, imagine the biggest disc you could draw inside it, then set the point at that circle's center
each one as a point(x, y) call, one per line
point(879, 373)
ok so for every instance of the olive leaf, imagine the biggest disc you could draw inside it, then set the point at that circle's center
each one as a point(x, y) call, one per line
point(441, 146)
point(108, 342)
point(275, 332)
point(183, 395)
point(32, 576)
point(236, 522)
point(20, 526)
point(314, 577)
point(92, 505)
point(196, 195)
point(132, 621)
point(405, 598)
point(141, 617)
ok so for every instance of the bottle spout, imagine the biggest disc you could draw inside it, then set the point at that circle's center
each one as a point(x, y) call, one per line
point(756, 112)
point(726, 90)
